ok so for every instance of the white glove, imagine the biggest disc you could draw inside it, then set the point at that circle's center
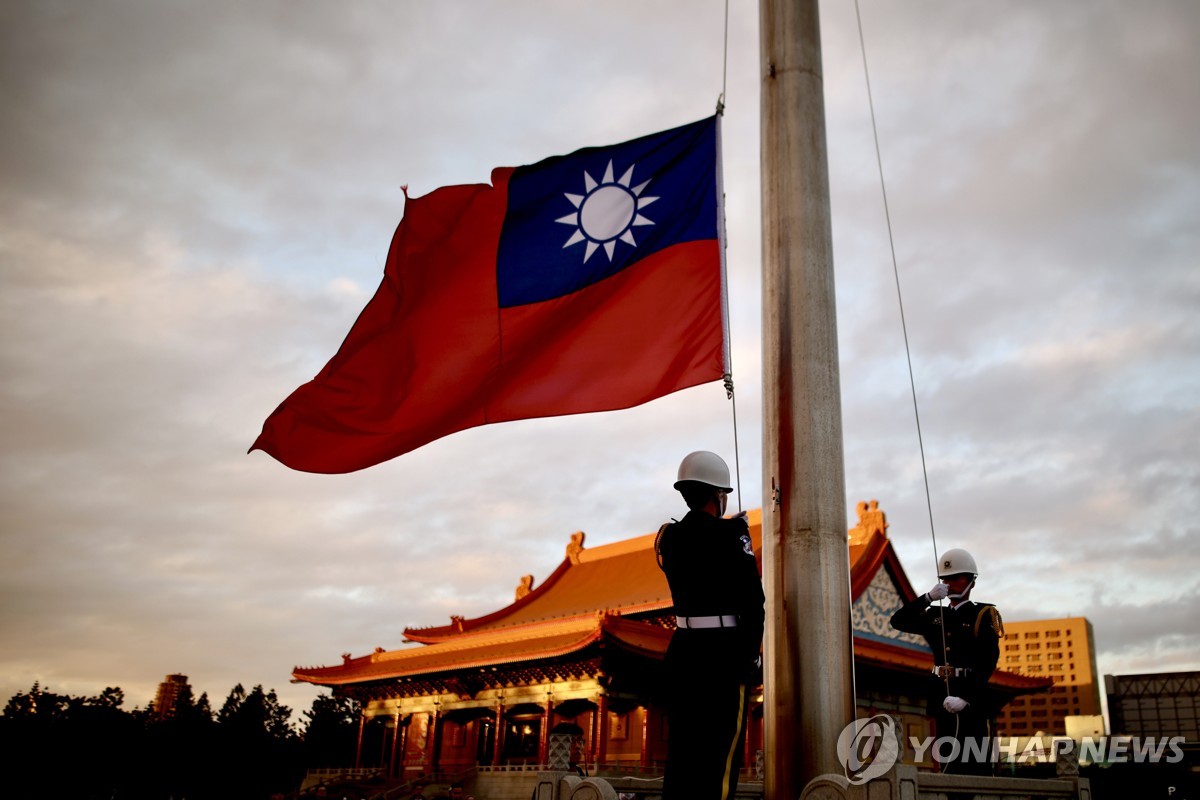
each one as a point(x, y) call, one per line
point(954, 704)
point(939, 592)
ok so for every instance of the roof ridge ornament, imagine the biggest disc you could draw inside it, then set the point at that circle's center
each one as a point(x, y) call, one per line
point(524, 587)
point(575, 546)
point(870, 520)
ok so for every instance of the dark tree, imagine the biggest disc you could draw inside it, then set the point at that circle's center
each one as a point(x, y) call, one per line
point(331, 731)
point(91, 748)
point(84, 747)
point(258, 745)
point(232, 705)
point(180, 760)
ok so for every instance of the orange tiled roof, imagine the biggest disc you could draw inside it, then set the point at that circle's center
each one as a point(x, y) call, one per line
point(528, 643)
point(587, 595)
point(564, 637)
point(624, 578)
point(621, 578)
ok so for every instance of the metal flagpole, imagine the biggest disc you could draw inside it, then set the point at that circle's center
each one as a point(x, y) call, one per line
point(809, 696)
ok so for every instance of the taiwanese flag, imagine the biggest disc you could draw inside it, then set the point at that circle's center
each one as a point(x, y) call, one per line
point(587, 282)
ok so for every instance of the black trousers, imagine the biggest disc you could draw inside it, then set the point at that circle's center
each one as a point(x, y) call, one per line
point(973, 732)
point(707, 703)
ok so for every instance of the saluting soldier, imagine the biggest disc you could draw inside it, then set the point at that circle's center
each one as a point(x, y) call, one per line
point(965, 639)
point(712, 661)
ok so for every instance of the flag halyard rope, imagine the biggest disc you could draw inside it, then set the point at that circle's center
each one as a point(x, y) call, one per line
point(903, 322)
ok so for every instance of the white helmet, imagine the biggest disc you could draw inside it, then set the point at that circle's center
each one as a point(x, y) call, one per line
point(956, 562)
point(706, 468)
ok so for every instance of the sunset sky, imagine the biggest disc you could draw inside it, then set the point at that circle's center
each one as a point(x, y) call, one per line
point(197, 198)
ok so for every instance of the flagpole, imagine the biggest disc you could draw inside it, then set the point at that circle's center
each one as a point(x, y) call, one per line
point(808, 674)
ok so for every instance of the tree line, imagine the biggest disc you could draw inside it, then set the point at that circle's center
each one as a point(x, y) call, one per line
point(87, 748)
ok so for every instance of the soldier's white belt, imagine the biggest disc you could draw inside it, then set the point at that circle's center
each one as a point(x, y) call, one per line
point(952, 672)
point(722, 621)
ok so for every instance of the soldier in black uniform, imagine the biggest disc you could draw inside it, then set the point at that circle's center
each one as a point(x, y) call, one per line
point(965, 639)
point(713, 658)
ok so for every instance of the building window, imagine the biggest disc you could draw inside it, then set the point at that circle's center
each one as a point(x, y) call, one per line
point(1032, 635)
point(1012, 659)
point(1053, 645)
point(1033, 647)
point(1056, 667)
point(1054, 633)
point(1008, 648)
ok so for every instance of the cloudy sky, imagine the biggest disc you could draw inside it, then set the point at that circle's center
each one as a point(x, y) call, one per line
point(197, 200)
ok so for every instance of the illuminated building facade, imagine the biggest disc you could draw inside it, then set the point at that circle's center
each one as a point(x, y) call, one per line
point(1062, 650)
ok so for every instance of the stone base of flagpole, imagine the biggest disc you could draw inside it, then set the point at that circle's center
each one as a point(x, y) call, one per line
point(831, 787)
point(559, 785)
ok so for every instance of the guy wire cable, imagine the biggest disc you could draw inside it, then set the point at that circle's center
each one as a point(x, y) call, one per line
point(903, 325)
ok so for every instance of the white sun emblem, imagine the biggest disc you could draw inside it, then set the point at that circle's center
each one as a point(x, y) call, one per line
point(608, 211)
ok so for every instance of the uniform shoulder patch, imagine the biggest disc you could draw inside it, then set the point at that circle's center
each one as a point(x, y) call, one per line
point(989, 616)
point(747, 545)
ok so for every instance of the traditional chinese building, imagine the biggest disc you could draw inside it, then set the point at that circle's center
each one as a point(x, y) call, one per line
point(584, 648)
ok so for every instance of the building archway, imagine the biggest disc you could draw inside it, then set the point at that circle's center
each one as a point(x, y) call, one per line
point(523, 734)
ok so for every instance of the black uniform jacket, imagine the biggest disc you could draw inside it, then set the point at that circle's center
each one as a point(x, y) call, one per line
point(710, 566)
point(971, 633)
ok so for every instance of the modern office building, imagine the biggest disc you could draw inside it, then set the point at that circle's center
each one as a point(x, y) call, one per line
point(1161, 704)
point(1063, 650)
point(166, 699)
